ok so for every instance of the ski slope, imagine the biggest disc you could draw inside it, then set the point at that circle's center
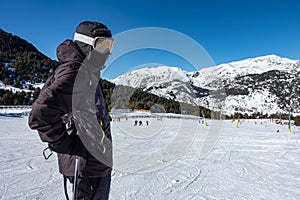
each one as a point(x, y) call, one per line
point(169, 159)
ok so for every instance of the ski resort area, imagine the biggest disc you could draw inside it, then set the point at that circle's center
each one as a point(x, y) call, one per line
point(150, 100)
point(170, 157)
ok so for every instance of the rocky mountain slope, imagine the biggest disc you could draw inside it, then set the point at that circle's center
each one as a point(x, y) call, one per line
point(266, 84)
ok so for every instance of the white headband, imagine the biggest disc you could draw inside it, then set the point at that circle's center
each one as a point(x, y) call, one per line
point(83, 38)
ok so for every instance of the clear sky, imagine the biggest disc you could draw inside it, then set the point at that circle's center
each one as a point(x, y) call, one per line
point(228, 30)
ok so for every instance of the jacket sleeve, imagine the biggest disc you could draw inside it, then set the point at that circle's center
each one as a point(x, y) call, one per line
point(53, 102)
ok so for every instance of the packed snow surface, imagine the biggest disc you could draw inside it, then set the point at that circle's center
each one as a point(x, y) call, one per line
point(168, 159)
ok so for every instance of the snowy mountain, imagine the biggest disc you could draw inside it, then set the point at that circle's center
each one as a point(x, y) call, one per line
point(265, 84)
point(161, 81)
point(227, 72)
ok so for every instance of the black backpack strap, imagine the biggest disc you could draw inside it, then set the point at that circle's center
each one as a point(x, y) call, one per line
point(47, 156)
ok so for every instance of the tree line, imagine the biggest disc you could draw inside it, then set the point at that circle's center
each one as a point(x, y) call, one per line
point(20, 61)
point(117, 97)
point(124, 97)
point(8, 97)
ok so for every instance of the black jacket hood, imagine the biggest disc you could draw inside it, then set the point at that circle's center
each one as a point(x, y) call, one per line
point(68, 51)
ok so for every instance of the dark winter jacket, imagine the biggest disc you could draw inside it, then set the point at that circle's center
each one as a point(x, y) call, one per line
point(55, 119)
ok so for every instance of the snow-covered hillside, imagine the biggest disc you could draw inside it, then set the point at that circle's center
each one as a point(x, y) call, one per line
point(196, 87)
point(26, 85)
point(148, 77)
point(227, 72)
point(203, 78)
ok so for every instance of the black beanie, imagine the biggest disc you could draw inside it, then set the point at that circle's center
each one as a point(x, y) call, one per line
point(91, 29)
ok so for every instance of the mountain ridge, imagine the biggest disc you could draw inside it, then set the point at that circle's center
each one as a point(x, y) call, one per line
point(229, 79)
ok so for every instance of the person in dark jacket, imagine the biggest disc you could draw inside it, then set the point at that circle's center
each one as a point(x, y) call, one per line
point(71, 115)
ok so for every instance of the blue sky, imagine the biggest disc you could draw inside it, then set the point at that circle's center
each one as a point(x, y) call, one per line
point(228, 30)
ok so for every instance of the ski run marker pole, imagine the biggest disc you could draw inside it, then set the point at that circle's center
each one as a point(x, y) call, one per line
point(76, 175)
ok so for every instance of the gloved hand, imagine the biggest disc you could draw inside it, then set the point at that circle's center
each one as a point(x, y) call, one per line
point(68, 120)
point(70, 127)
point(70, 143)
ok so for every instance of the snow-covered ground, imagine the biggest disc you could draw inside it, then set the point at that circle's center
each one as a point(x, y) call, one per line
point(169, 159)
point(14, 110)
point(26, 85)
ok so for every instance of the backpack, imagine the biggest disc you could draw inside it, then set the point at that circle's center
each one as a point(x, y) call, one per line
point(69, 140)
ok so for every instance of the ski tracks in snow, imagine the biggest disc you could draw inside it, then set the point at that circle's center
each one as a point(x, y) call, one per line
point(24, 172)
point(249, 162)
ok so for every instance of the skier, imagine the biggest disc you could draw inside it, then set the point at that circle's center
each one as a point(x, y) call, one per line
point(62, 128)
point(140, 123)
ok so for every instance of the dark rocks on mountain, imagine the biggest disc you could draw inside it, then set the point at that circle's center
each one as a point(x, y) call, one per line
point(200, 92)
point(196, 74)
point(284, 85)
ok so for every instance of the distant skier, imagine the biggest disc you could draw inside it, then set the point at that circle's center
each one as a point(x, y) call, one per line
point(140, 123)
point(147, 122)
point(135, 122)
